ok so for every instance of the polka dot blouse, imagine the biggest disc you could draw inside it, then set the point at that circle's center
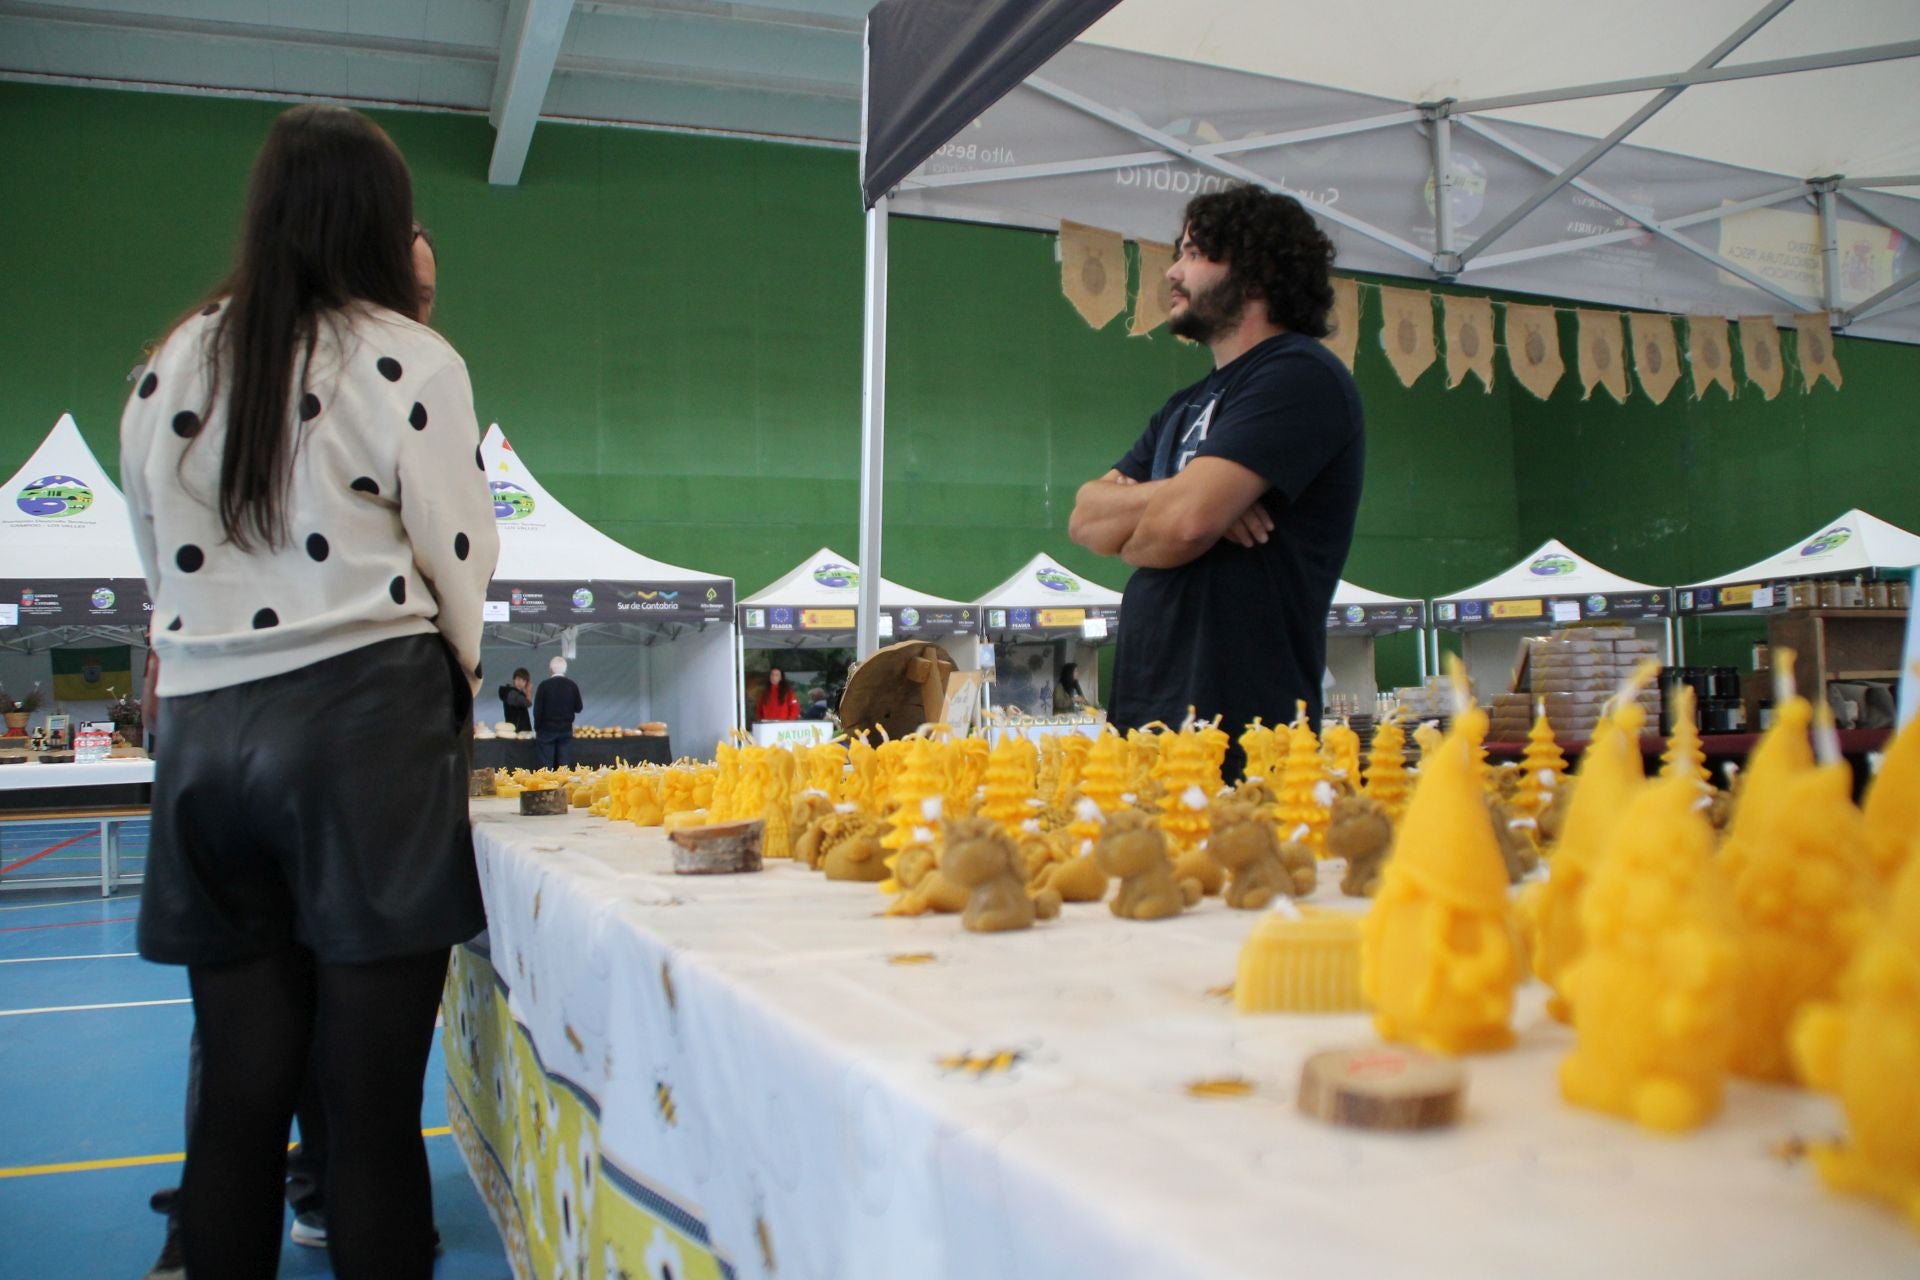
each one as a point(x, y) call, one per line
point(390, 526)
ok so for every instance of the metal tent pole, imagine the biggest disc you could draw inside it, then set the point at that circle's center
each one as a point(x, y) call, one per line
point(873, 430)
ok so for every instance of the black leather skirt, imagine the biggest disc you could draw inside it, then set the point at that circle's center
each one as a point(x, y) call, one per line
point(326, 808)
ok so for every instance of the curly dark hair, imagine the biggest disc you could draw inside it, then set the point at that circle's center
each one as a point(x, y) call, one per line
point(1272, 247)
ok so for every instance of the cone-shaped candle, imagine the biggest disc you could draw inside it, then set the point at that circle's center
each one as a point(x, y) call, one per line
point(1607, 781)
point(1438, 960)
point(1684, 756)
point(1543, 768)
point(1784, 752)
point(1654, 990)
point(1387, 779)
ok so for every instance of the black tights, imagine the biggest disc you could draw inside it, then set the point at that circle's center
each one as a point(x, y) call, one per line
point(370, 1029)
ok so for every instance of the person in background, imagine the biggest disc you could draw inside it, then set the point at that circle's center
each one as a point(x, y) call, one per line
point(1067, 697)
point(555, 703)
point(295, 465)
point(516, 700)
point(819, 706)
point(778, 702)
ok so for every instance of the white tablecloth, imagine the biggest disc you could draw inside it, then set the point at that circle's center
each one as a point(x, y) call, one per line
point(101, 773)
point(758, 1065)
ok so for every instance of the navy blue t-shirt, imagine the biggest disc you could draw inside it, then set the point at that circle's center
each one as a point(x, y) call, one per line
point(1242, 632)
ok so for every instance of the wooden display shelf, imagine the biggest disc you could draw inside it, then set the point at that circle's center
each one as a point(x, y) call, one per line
point(1835, 644)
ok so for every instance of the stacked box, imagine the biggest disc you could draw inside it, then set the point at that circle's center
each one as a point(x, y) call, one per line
point(1572, 673)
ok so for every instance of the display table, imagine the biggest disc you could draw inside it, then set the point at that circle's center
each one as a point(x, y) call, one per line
point(125, 780)
point(760, 1075)
point(588, 753)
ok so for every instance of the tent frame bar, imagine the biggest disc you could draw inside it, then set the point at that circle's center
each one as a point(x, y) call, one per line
point(1226, 168)
point(873, 429)
point(1546, 190)
point(1620, 206)
point(1708, 75)
point(1885, 300)
point(1893, 180)
point(1639, 229)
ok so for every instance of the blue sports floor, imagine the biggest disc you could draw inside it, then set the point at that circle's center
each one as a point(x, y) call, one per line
point(93, 1062)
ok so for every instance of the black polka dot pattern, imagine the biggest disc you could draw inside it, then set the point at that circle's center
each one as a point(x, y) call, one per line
point(309, 407)
point(366, 484)
point(189, 558)
point(417, 419)
point(317, 546)
point(479, 461)
point(264, 619)
point(174, 625)
point(389, 368)
point(461, 546)
point(186, 424)
point(148, 384)
point(398, 590)
point(476, 671)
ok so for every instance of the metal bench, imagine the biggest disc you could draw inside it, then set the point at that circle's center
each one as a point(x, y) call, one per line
point(109, 819)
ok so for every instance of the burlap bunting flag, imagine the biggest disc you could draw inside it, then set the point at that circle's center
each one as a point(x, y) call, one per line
point(1344, 340)
point(1406, 331)
point(1533, 348)
point(1602, 363)
point(1468, 323)
point(1150, 298)
point(1709, 355)
point(1760, 352)
point(1818, 359)
point(1656, 358)
point(1093, 272)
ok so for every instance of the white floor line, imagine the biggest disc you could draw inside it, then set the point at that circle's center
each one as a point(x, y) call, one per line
point(116, 900)
point(110, 955)
point(83, 1008)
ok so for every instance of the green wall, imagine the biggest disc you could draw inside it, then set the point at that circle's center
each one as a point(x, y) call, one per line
point(668, 327)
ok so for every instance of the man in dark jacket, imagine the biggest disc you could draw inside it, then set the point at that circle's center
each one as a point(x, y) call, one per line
point(555, 703)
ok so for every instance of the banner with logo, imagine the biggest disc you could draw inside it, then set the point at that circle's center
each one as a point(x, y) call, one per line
point(66, 545)
point(1554, 584)
point(820, 596)
point(569, 601)
point(1044, 596)
point(1858, 542)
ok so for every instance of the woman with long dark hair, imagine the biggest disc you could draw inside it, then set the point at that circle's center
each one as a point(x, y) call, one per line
point(302, 467)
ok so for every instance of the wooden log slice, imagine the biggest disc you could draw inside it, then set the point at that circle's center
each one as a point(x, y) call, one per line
point(720, 848)
point(480, 782)
point(1382, 1088)
point(543, 801)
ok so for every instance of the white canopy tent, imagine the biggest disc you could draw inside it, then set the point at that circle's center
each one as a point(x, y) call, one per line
point(1551, 586)
point(1516, 115)
point(1044, 604)
point(1358, 617)
point(647, 640)
point(1856, 542)
point(69, 571)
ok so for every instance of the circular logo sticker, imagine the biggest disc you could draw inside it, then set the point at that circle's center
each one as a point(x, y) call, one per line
point(1552, 565)
point(510, 501)
point(55, 496)
point(1056, 580)
point(1469, 189)
point(836, 575)
point(1355, 615)
point(909, 617)
point(102, 598)
point(1596, 604)
point(582, 598)
point(1831, 540)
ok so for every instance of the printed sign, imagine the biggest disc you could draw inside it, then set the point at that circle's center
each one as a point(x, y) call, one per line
point(1518, 609)
point(1062, 617)
point(828, 619)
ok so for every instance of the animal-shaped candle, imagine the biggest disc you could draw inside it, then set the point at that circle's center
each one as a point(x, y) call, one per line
point(1132, 848)
point(1243, 842)
point(981, 859)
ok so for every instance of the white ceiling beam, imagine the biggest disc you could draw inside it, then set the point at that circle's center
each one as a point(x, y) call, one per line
point(1894, 180)
point(1548, 189)
point(527, 54)
point(1715, 214)
point(1885, 300)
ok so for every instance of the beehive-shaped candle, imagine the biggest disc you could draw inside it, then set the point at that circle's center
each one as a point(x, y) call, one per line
point(911, 831)
point(859, 788)
point(1803, 890)
point(1864, 1048)
point(1655, 987)
point(1073, 757)
point(1608, 780)
point(1215, 742)
point(1300, 960)
point(1186, 773)
point(726, 759)
point(1685, 756)
point(1387, 780)
point(1010, 783)
point(1261, 747)
point(1543, 768)
point(776, 840)
point(1306, 796)
point(1438, 957)
point(1893, 805)
point(827, 769)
